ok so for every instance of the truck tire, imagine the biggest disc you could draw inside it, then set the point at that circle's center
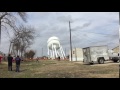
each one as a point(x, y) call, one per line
point(115, 60)
point(101, 60)
point(91, 63)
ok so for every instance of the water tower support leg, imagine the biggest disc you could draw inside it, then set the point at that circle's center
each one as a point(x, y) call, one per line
point(61, 52)
point(48, 53)
point(55, 51)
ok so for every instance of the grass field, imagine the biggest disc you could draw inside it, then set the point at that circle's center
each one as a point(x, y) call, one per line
point(60, 69)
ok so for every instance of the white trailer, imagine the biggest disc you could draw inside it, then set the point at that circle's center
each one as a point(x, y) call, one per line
point(95, 54)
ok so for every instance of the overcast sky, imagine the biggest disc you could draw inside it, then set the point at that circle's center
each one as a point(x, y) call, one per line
point(88, 29)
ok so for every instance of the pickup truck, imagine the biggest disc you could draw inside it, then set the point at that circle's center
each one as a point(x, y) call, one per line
point(114, 57)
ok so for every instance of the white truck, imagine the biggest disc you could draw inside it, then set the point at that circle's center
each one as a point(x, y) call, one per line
point(95, 54)
point(113, 56)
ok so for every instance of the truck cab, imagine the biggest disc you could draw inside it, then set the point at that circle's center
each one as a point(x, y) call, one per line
point(115, 57)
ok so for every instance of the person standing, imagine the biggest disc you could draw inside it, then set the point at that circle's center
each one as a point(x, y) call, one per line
point(10, 58)
point(17, 59)
point(59, 58)
point(37, 59)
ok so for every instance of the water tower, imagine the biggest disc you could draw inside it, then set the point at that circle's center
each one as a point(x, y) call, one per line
point(55, 50)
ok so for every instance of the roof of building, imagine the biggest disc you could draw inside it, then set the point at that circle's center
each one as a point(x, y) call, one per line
point(115, 47)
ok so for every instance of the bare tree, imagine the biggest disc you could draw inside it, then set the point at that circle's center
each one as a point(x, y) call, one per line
point(9, 19)
point(23, 38)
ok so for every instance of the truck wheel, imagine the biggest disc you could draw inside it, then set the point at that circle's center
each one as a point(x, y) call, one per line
point(115, 60)
point(101, 61)
point(92, 63)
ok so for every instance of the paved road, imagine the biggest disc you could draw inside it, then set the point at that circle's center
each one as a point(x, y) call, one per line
point(106, 63)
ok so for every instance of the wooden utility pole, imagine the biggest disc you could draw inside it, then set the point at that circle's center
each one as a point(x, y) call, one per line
point(42, 52)
point(70, 40)
point(119, 45)
point(65, 52)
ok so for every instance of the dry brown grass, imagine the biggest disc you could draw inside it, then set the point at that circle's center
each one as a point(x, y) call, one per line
point(61, 69)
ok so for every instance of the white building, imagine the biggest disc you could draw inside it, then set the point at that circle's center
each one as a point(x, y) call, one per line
point(77, 54)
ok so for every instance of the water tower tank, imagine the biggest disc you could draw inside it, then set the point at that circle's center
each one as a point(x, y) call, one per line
point(55, 41)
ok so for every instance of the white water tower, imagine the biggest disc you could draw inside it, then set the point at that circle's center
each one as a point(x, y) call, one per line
point(55, 50)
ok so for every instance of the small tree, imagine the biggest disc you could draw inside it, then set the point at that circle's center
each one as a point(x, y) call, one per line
point(30, 54)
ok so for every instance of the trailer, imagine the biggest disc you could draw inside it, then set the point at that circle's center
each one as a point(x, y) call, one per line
point(95, 54)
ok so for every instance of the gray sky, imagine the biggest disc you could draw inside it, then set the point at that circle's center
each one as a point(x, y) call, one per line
point(88, 29)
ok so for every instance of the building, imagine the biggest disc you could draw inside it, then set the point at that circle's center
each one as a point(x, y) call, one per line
point(116, 49)
point(77, 54)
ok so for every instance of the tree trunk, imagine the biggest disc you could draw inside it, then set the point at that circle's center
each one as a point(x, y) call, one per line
point(13, 50)
point(17, 51)
point(0, 23)
point(0, 31)
point(9, 48)
point(21, 54)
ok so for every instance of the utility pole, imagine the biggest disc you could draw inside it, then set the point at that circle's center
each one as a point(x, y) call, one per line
point(70, 40)
point(119, 45)
point(42, 52)
point(65, 52)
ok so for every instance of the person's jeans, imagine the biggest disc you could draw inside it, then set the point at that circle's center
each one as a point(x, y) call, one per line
point(9, 68)
point(17, 68)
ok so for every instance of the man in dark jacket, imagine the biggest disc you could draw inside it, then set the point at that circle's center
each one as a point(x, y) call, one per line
point(17, 59)
point(10, 58)
point(59, 58)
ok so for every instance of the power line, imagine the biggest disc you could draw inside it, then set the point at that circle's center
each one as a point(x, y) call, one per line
point(93, 33)
point(88, 36)
point(42, 52)
point(92, 41)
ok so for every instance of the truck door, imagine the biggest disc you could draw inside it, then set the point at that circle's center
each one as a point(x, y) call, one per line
point(86, 55)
